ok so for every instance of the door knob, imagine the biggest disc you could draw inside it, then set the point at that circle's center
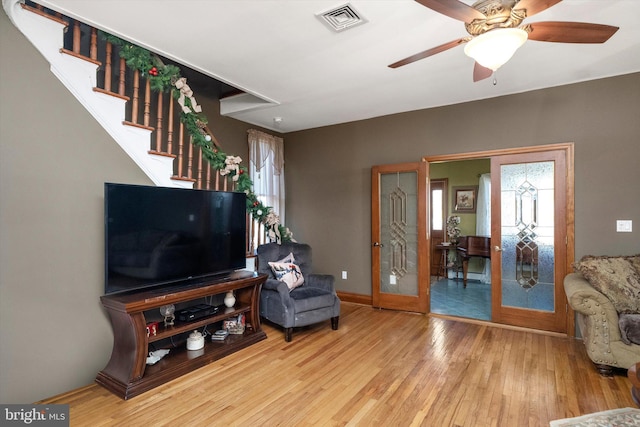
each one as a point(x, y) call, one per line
point(497, 248)
point(376, 244)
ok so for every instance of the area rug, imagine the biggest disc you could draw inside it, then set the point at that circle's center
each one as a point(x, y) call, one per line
point(614, 418)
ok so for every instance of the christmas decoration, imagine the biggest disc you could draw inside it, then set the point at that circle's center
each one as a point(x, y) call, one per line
point(186, 93)
point(167, 78)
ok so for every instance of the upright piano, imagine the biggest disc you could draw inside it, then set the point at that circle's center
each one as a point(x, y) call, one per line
point(468, 246)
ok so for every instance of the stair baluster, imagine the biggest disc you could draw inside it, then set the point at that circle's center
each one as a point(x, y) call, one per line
point(146, 117)
point(170, 126)
point(180, 149)
point(77, 34)
point(83, 42)
point(190, 160)
point(199, 178)
point(93, 52)
point(122, 77)
point(159, 123)
point(207, 178)
point(136, 97)
point(107, 67)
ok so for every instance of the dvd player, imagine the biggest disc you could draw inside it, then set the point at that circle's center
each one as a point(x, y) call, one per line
point(196, 312)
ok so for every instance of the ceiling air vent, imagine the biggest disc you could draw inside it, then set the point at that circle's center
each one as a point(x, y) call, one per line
point(341, 18)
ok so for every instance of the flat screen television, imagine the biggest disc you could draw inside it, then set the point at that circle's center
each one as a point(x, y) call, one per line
point(159, 236)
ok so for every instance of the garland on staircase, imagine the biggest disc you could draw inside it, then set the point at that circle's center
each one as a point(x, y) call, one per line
point(167, 78)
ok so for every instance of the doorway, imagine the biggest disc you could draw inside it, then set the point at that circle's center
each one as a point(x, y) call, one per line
point(531, 232)
point(438, 196)
point(448, 293)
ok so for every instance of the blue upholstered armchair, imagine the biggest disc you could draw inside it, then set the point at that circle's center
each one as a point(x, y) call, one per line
point(312, 302)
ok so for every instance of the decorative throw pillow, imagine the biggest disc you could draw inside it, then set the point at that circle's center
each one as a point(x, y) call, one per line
point(630, 328)
point(615, 277)
point(288, 273)
point(288, 258)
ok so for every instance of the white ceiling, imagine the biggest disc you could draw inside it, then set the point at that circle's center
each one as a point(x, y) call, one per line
point(310, 76)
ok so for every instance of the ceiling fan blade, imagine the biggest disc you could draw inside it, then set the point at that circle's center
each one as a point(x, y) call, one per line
point(535, 6)
point(454, 9)
point(481, 73)
point(427, 53)
point(571, 32)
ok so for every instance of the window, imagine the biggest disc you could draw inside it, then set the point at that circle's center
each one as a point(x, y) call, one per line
point(266, 168)
point(437, 219)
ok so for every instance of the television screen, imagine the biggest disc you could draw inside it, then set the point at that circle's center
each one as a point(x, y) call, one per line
point(159, 236)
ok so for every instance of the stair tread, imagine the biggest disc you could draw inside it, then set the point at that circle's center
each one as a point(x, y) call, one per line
point(162, 153)
point(44, 14)
point(110, 93)
point(80, 56)
point(138, 125)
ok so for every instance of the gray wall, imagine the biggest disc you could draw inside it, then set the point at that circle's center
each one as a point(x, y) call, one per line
point(328, 169)
point(54, 159)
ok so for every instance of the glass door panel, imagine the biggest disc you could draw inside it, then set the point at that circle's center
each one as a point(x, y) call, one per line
point(527, 235)
point(529, 220)
point(399, 233)
point(399, 268)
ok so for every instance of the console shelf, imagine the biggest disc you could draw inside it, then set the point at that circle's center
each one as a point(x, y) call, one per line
point(127, 373)
point(181, 327)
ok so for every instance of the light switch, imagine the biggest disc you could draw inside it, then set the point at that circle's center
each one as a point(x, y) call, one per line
point(624, 226)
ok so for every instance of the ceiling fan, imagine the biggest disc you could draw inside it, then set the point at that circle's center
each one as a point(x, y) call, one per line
point(496, 33)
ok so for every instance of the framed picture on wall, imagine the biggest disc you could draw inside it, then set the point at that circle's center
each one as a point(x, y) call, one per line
point(465, 199)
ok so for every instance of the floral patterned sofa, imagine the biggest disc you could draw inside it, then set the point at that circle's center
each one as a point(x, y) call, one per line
point(605, 293)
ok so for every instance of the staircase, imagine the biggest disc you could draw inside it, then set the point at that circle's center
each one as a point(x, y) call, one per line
point(89, 67)
point(121, 100)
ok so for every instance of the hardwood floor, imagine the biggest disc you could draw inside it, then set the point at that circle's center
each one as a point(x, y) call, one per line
point(381, 368)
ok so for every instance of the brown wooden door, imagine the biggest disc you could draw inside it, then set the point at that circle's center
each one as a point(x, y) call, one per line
point(529, 239)
point(437, 223)
point(399, 245)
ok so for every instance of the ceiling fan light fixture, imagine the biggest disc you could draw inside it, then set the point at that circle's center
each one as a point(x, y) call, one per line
point(494, 48)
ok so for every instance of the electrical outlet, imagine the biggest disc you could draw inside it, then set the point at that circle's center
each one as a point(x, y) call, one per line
point(392, 279)
point(344, 275)
point(624, 226)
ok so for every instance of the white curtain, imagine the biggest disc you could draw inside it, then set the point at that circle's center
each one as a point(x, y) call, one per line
point(483, 218)
point(266, 169)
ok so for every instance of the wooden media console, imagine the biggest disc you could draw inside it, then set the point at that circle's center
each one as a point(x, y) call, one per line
point(127, 373)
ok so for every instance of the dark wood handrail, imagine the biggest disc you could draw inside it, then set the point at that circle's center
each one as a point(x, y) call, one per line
point(155, 112)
